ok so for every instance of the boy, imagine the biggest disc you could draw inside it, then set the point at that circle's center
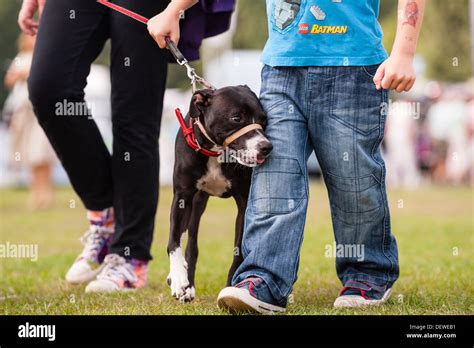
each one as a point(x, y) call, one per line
point(325, 88)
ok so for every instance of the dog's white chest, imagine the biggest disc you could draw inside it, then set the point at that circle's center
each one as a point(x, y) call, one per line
point(213, 182)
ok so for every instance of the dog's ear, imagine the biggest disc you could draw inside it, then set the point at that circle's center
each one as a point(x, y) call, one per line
point(201, 100)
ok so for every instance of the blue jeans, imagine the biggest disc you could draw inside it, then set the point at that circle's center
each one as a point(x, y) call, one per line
point(338, 113)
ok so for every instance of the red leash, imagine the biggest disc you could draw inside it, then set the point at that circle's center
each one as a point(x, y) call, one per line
point(123, 10)
point(190, 136)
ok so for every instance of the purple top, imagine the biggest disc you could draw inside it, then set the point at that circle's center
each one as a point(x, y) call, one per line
point(209, 18)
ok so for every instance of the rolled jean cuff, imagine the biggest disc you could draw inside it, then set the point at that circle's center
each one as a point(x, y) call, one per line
point(380, 284)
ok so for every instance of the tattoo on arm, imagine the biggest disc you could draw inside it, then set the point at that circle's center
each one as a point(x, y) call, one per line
point(411, 13)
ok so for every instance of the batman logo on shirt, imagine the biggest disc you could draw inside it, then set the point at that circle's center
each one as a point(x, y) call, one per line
point(286, 12)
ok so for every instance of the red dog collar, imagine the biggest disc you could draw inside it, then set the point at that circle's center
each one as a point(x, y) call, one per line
point(190, 136)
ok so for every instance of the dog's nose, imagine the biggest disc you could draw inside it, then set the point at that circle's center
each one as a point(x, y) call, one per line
point(265, 147)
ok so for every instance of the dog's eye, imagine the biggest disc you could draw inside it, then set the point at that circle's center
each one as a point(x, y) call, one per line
point(236, 118)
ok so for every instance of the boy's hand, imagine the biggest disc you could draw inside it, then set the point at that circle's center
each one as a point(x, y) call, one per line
point(396, 73)
point(165, 24)
point(25, 18)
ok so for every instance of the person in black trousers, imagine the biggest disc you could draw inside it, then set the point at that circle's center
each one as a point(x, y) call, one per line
point(119, 190)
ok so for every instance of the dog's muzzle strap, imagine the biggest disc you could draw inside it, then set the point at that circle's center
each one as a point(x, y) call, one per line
point(240, 132)
point(232, 137)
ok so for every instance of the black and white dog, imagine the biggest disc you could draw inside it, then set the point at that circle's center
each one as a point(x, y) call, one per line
point(214, 156)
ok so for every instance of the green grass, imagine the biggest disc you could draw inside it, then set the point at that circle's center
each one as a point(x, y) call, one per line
point(430, 224)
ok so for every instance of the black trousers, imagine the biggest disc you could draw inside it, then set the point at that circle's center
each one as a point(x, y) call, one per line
point(71, 35)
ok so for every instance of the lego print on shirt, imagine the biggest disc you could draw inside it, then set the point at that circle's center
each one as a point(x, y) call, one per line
point(285, 12)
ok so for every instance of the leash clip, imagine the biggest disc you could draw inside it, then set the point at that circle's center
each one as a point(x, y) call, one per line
point(196, 79)
point(181, 60)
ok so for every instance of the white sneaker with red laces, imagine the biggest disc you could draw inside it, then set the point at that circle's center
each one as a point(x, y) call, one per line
point(361, 300)
point(242, 299)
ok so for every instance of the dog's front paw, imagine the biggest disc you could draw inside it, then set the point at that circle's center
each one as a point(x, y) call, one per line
point(189, 294)
point(179, 284)
point(178, 277)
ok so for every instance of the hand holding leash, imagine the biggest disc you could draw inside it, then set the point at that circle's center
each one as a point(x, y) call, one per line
point(180, 59)
point(163, 25)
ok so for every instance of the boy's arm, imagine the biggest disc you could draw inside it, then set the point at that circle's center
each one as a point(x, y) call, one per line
point(166, 24)
point(397, 71)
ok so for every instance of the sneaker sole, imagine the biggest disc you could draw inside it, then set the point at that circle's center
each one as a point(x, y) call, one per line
point(100, 290)
point(85, 278)
point(237, 300)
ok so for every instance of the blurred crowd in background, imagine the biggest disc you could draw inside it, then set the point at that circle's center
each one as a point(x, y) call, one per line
point(429, 135)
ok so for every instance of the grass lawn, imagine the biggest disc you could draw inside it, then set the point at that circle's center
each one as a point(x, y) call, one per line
point(434, 228)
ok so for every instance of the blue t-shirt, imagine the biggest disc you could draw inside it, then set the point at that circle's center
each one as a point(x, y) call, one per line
point(323, 33)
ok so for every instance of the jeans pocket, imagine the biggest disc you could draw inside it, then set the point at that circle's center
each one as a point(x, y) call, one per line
point(370, 70)
point(355, 102)
point(278, 187)
point(355, 200)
